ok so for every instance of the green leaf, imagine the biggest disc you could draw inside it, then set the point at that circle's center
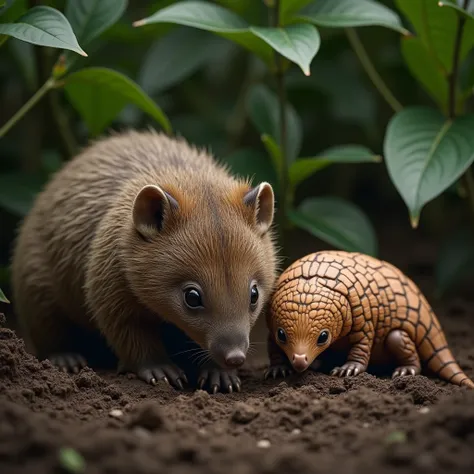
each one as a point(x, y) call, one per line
point(425, 154)
point(426, 70)
point(455, 260)
point(336, 222)
point(44, 26)
point(214, 18)
point(90, 18)
point(298, 43)
point(71, 461)
point(18, 191)
point(303, 168)
point(457, 8)
point(99, 94)
point(436, 26)
point(264, 111)
point(175, 57)
point(248, 163)
point(350, 13)
point(3, 298)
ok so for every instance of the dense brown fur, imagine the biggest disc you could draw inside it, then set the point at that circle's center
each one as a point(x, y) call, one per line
point(81, 258)
point(366, 306)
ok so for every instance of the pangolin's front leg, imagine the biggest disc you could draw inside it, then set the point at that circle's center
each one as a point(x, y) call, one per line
point(279, 364)
point(359, 355)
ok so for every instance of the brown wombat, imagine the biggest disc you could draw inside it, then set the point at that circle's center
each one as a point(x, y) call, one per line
point(138, 229)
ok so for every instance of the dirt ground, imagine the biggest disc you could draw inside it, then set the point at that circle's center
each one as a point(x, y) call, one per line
point(309, 423)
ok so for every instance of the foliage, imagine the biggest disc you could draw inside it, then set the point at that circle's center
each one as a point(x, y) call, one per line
point(296, 105)
point(3, 298)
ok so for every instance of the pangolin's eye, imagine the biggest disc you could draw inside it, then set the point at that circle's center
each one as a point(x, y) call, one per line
point(192, 298)
point(253, 295)
point(281, 335)
point(323, 338)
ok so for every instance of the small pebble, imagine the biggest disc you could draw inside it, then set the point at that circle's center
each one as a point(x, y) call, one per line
point(296, 432)
point(365, 425)
point(116, 413)
point(424, 410)
point(202, 431)
point(263, 443)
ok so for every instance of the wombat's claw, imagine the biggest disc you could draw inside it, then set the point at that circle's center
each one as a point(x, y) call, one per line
point(276, 370)
point(68, 362)
point(166, 373)
point(405, 370)
point(225, 380)
point(349, 369)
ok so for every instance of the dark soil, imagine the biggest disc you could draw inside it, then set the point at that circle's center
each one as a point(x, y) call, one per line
point(305, 424)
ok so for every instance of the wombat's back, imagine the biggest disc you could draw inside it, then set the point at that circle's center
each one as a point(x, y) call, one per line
point(51, 251)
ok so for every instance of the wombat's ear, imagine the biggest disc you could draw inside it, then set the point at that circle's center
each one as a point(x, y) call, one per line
point(151, 209)
point(262, 200)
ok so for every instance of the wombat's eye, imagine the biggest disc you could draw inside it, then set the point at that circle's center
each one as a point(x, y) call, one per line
point(281, 335)
point(253, 295)
point(192, 298)
point(323, 338)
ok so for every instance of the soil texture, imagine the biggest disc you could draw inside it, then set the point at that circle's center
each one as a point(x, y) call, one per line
point(98, 422)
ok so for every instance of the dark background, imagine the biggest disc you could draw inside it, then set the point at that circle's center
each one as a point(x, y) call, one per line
point(337, 103)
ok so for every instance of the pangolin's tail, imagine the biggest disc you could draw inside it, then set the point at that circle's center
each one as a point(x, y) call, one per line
point(435, 353)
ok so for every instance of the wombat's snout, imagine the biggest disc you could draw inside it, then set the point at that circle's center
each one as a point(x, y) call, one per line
point(230, 349)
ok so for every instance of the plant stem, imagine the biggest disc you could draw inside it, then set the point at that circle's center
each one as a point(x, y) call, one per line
point(453, 79)
point(280, 82)
point(47, 86)
point(369, 68)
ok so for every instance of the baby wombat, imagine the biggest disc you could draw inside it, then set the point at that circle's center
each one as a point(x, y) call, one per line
point(138, 229)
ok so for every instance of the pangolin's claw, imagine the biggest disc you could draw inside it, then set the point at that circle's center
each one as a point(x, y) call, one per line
point(348, 370)
point(403, 371)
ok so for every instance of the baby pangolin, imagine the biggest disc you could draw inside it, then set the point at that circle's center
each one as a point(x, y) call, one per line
point(138, 229)
point(354, 302)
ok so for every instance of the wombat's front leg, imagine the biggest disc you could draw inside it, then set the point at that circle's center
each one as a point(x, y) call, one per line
point(155, 370)
point(218, 378)
point(141, 352)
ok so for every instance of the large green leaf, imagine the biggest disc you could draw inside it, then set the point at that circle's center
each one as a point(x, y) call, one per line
point(425, 154)
point(337, 222)
point(298, 43)
point(44, 26)
point(424, 67)
point(90, 18)
point(99, 94)
point(436, 26)
point(18, 191)
point(350, 13)
point(174, 57)
point(455, 261)
point(214, 18)
point(264, 111)
point(303, 168)
point(3, 298)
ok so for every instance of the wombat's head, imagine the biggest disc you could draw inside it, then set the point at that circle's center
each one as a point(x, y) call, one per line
point(204, 260)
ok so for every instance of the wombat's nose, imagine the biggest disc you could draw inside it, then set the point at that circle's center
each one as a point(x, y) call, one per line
point(300, 362)
point(235, 358)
